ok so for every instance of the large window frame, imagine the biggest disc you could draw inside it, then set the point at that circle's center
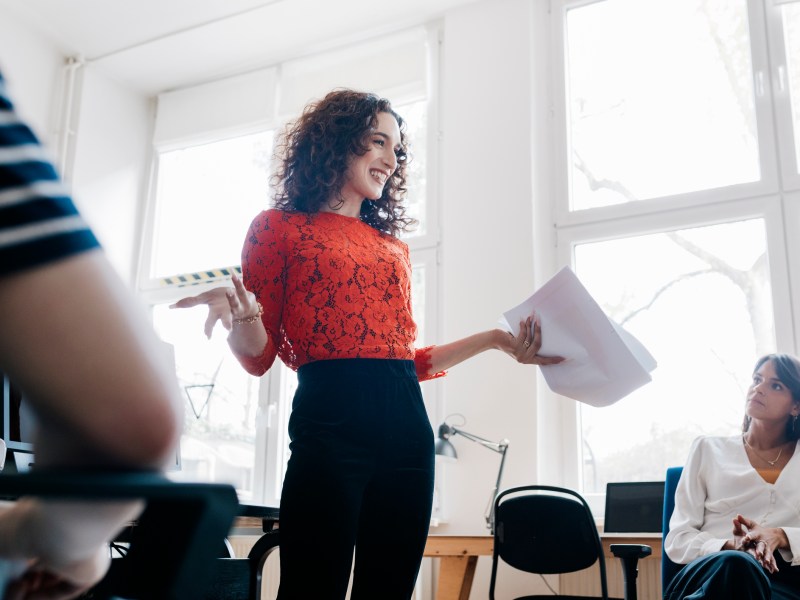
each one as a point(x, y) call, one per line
point(775, 198)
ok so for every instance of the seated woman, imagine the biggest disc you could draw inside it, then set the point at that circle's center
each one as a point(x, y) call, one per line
point(736, 522)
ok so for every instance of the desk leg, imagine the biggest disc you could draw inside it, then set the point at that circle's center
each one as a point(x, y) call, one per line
point(455, 577)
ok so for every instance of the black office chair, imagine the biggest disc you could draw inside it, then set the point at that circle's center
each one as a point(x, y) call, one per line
point(171, 549)
point(549, 530)
point(241, 578)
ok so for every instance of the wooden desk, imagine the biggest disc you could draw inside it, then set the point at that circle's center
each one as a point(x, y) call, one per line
point(458, 556)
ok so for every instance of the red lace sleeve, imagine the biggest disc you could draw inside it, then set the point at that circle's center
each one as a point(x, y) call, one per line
point(422, 362)
point(263, 268)
point(258, 365)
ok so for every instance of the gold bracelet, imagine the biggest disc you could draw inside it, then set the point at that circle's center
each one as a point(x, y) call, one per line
point(252, 318)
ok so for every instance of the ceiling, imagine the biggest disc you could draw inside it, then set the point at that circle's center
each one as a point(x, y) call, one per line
point(155, 45)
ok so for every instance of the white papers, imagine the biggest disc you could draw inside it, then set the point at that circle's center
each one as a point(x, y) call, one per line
point(604, 362)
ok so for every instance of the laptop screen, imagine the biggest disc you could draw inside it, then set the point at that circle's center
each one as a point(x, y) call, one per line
point(634, 507)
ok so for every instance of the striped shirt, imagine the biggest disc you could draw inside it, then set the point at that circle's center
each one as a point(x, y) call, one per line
point(38, 220)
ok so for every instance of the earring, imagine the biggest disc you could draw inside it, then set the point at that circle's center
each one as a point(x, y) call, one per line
point(794, 424)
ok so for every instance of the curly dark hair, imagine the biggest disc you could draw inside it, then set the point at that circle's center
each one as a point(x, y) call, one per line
point(314, 152)
point(787, 368)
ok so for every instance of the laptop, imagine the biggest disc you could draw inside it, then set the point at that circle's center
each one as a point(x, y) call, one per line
point(634, 507)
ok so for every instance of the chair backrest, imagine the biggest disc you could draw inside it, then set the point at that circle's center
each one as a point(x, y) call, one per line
point(545, 529)
point(241, 578)
point(668, 568)
point(173, 543)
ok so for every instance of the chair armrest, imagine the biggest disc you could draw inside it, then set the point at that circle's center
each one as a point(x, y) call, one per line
point(627, 551)
point(630, 554)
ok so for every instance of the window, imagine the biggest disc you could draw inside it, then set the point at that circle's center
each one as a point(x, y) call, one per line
point(790, 17)
point(699, 299)
point(632, 113)
point(206, 196)
point(674, 208)
point(221, 403)
point(783, 30)
point(415, 116)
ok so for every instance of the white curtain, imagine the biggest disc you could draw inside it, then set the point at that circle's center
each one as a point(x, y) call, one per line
point(394, 66)
point(216, 110)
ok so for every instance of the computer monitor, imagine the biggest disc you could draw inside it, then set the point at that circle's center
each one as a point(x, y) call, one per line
point(634, 507)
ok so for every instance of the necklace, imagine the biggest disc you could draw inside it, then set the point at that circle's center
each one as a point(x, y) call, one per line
point(771, 463)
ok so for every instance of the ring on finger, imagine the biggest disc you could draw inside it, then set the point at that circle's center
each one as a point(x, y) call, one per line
point(526, 343)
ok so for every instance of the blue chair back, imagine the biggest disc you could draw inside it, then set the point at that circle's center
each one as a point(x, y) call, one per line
point(668, 568)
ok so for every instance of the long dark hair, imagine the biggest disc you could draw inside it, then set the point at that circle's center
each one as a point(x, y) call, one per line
point(314, 152)
point(787, 368)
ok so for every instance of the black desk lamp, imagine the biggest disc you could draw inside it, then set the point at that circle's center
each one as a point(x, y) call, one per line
point(446, 449)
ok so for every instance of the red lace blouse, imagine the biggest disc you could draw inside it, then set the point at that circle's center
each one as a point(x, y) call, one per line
point(331, 287)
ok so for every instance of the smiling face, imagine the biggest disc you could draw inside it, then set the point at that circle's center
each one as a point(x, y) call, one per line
point(769, 398)
point(367, 174)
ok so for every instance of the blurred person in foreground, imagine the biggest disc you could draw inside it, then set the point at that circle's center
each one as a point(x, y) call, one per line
point(99, 382)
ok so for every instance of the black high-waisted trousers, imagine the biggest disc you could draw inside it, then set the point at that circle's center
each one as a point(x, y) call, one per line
point(360, 476)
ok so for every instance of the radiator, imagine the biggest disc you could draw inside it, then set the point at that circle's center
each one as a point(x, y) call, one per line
point(587, 582)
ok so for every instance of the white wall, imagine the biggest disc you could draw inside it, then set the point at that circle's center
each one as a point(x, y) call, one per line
point(112, 135)
point(111, 165)
point(487, 243)
point(30, 64)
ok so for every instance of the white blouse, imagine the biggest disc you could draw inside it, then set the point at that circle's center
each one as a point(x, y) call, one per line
point(718, 482)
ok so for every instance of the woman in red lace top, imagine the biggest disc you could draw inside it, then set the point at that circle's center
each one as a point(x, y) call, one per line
point(327, 287)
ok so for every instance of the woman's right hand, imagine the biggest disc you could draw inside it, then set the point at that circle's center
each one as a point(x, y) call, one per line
point(738, 534)
point(761, 542)
point(524, 347)
point(224, 304)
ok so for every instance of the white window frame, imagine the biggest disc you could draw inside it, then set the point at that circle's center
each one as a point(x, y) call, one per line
point(771, 198)
point(764, 121)
point(781, 98)
point(151, 289)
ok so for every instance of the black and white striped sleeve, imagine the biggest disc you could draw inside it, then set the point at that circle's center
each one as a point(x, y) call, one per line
point(38, 220)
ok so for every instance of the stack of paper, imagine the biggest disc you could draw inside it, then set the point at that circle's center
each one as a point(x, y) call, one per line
point(604, 362)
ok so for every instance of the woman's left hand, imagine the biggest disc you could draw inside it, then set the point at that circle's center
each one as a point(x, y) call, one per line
point(525, 346)
point(762, 542)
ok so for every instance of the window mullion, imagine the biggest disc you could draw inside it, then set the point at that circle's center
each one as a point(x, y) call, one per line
point(781, 101)
point(764, 95)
